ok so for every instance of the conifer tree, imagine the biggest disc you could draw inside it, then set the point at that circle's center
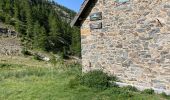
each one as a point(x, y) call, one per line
point(16, 16)
point(41, 25)
point(29, 19)
point(1, 5)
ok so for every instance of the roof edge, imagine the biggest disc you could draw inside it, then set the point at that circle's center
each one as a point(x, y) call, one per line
point(76, 18)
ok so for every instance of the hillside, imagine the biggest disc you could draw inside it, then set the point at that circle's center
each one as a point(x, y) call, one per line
point(42, 25)
point(64, 12)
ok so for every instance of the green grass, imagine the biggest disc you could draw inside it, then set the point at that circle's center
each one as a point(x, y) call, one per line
point(21, 82)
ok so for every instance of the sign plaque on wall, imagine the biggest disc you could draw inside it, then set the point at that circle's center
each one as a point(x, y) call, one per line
point(96, 25)
point(96, 16)
point(121, 2)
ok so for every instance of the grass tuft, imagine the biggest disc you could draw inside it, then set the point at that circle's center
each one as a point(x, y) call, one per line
point(148, 91)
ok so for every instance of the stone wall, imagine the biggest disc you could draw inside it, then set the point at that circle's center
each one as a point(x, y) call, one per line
point(133, 44)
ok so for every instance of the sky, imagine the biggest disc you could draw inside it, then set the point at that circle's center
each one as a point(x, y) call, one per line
point(71, 4)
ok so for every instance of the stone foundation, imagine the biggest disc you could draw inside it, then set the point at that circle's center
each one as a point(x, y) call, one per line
point(142, 88)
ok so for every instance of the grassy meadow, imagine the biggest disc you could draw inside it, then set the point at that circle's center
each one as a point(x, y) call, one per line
point(27, 79)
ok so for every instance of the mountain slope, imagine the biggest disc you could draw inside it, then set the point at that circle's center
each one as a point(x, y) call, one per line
point(42, 24)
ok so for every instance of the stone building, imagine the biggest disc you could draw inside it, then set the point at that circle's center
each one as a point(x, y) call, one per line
point(127, 38)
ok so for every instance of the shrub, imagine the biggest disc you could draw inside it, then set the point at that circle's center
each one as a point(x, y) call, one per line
point(74, 82)
point(26, 52)
point(53, 60)
point(95, 79)
point(165, 95)
point(4, 65)
point(122, 93)
point(8, 66)
point(63, 55)
point(130, 88)
point(148, 91)
point(37, 57)
point(127, 94)
point(113, 84)
point(113, 78)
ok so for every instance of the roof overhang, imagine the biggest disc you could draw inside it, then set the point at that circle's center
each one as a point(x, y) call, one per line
point(83, 13)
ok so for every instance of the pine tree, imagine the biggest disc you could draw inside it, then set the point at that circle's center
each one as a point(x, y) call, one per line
point(39, 35)
point(1, 5)
point(51, 30)
point(76, 42)
point(16, 16)
point(7, 6)
point(29, 23)
point(53, 25)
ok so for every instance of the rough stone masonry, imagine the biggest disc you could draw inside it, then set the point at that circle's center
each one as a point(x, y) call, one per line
point(130, 41)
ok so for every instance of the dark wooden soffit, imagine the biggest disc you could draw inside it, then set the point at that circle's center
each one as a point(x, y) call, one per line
point(85, 9)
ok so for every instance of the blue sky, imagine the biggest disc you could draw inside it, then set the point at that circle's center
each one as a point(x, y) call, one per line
point(72, 4)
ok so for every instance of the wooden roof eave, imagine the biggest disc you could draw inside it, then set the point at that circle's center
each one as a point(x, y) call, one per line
point(83, 13)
